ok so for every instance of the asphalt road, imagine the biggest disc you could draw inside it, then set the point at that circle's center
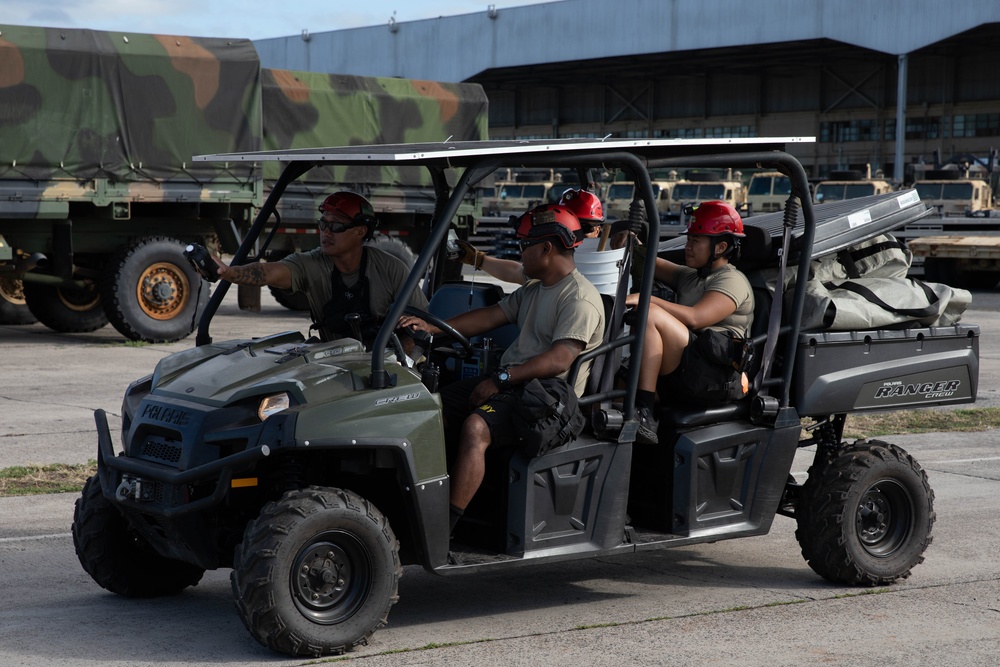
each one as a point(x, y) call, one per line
point(751, 601)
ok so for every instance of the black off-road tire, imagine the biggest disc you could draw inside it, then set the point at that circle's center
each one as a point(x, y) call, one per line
point(317, 572)
point(151, 293)
point(865, 518)
point(119, 559)
point(13, 309)
point(63, 310)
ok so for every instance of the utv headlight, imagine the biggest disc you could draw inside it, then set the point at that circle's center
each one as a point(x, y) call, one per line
point(272, 404)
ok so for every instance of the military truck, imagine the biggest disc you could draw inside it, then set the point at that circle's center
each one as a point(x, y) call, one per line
point(524, 189)
point(767, 192)
point(99, 195)
point(316, 470)
point(621, 193)
point(958, 244)
point(956, 191)
point(851, 184)
point(969, 262)
point(699, 186)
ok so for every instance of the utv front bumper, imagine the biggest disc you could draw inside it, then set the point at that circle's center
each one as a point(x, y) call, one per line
point(160, 490)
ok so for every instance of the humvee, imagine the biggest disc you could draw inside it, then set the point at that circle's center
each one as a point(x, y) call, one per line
point(316, 470)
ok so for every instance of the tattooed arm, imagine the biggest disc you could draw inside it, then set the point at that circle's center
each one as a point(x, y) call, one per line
point(274, 274)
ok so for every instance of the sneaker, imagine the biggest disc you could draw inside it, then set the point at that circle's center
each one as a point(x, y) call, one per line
point(648, 426)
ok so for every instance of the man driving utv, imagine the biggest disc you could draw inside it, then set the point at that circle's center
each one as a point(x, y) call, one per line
point(559, 314)
point(342, 275)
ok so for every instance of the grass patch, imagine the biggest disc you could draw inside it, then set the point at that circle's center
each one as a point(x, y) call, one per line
point(34, 479)
point(921, 421)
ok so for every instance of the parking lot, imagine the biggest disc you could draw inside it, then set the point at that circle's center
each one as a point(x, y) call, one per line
point(751, 601)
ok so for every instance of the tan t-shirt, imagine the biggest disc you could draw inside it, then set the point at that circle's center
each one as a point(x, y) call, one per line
point(728, 280)
point(569, 310)
point(311, 274)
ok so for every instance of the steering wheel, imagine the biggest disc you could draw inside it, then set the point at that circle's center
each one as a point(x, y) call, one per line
point(450, 331)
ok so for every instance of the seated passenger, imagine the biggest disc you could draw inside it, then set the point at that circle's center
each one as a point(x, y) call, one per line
point(560, 316)
point(588, 210)
point(341, 276)
point(682, 358)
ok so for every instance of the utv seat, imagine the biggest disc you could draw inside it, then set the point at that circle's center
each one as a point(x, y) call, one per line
point(460, 296)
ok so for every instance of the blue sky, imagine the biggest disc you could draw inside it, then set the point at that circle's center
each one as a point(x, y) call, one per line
point(253, 19)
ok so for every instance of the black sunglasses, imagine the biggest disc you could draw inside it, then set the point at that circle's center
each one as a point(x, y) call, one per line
point(334, 227)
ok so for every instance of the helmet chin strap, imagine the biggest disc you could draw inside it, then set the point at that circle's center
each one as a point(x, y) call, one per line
point(707, 268)
point(732, 246)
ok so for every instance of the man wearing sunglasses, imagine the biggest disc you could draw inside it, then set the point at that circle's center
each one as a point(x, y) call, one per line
point(559, 314)
point(341, 276)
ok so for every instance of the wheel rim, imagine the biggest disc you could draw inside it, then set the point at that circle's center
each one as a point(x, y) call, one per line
point(884, 518)
point(163, 290)
point(331, 577)
point(12, 291)
point(80, 301)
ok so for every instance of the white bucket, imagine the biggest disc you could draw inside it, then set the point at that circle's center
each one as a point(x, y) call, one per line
point(600, 268)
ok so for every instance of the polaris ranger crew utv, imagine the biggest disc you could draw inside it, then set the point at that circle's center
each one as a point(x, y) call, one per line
point(315, 470)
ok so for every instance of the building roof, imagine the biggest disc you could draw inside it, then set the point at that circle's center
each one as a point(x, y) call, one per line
point(459, 48)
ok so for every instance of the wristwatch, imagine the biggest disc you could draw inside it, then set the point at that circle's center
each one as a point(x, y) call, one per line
point(501, 377)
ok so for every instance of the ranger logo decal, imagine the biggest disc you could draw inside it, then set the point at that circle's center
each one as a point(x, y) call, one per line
point(941, 389)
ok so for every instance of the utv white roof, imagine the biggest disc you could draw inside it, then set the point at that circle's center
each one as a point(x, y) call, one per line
point(463, 153)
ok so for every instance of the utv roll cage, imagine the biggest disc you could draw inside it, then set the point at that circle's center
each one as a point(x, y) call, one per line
point(479, 160)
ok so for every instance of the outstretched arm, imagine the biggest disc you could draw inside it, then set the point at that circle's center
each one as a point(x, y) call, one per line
point(507, 270)
point(273, 274)
point(468, 324)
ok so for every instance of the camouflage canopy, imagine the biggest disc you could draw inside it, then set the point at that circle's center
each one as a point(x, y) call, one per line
point(308, 110)
point(83, 104)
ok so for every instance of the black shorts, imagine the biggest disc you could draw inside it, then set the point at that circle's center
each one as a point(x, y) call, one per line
point(697, 379)
point(497, 411)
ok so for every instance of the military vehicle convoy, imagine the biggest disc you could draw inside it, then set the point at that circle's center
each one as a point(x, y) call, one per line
point(99, 194)
point(316, 470)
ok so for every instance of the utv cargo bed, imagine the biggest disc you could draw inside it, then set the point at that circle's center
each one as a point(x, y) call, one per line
point(847, 371)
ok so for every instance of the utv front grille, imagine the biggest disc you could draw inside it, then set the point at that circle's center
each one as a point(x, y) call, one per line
point(161, 451)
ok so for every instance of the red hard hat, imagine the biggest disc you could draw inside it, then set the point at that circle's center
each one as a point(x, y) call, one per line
point(348, 208)
point(715, 218)
point(550, 220)
point(585, 205)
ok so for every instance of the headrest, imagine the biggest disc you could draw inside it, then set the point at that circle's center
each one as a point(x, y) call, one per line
point(755, 248)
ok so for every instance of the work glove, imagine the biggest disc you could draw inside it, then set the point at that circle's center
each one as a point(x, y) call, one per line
point(469, 254)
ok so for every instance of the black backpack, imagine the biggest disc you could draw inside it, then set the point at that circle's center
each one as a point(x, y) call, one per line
point(547, 415)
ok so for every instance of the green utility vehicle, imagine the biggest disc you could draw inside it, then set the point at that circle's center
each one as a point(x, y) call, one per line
point(317, 470)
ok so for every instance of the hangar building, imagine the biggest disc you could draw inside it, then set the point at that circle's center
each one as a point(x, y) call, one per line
point(833, 69)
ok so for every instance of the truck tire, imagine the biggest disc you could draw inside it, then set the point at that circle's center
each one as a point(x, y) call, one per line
point(394, 247)
point(151, 293)
point(316, 573)
point(13, 309)
point(119, 559)
point(865, 518)
point(291, 300)
point(65, 310)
